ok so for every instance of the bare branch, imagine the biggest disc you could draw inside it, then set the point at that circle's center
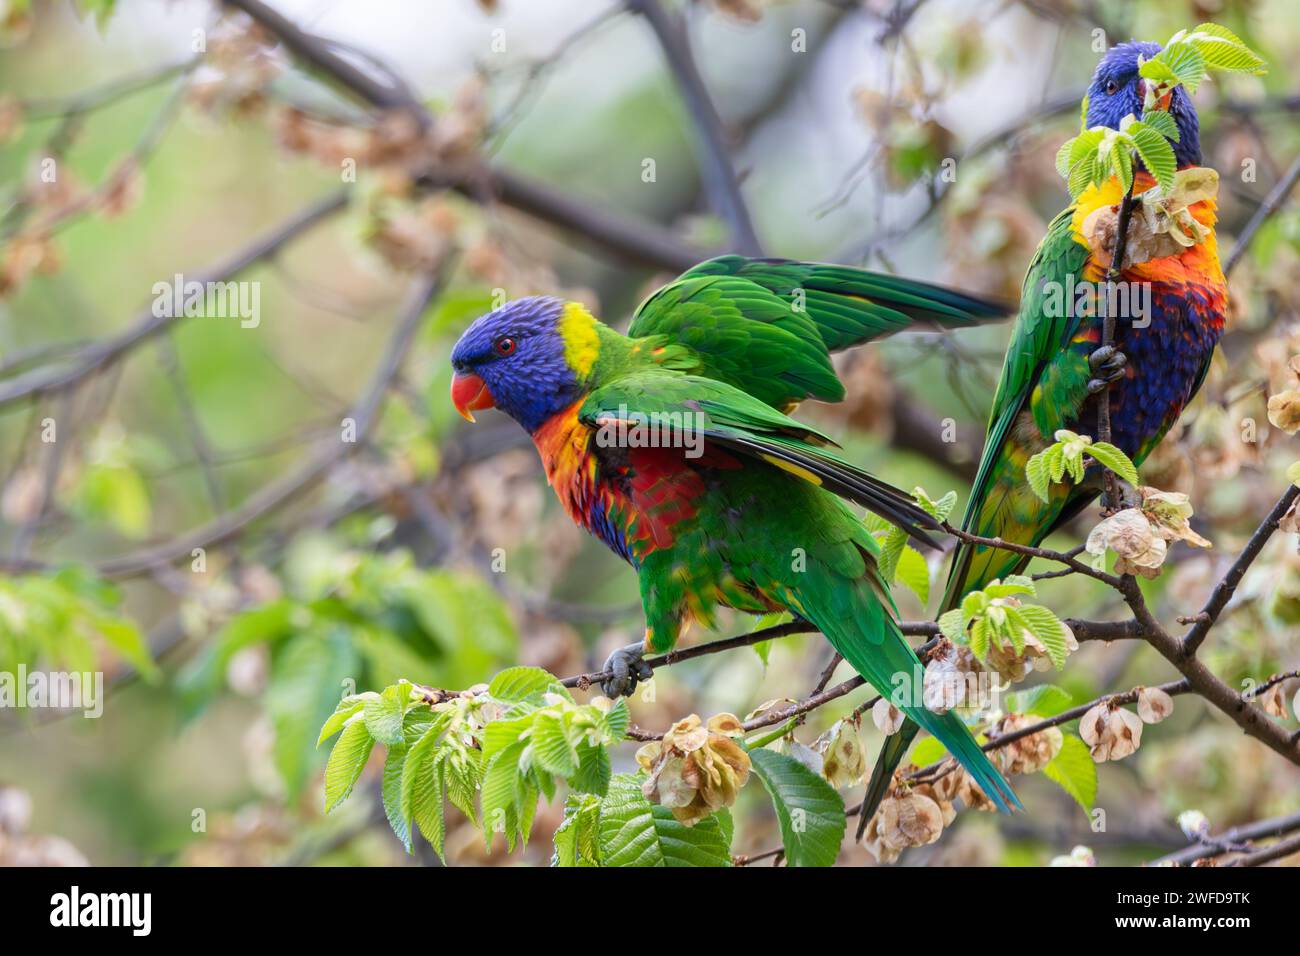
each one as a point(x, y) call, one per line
point(720, 182)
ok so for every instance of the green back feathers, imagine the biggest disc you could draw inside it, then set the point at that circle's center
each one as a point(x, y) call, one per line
point(768, 326)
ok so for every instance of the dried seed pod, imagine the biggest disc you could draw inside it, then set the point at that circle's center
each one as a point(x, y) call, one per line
point(1154, 705)
point(887, 718)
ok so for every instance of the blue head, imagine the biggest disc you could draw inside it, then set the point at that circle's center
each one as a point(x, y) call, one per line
point(1117, 91)
point(530, 358)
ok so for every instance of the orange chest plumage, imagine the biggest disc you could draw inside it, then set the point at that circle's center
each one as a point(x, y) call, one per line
point(633, 499)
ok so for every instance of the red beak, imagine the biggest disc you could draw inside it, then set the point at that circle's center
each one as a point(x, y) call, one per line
point(470, 393)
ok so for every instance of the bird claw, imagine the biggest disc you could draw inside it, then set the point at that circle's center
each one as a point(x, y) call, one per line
point(1107, 364)
point(627, 668)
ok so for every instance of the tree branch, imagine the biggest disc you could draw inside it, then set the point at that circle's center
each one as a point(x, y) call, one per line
point(720, 182)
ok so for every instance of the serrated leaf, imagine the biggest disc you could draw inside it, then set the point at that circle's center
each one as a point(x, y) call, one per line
point(809, 810)
point(419, 785)
point(1049, 629)
point(1163, 123)
point(594, 770)
point(553, 750)
point(1121, 162)
point(348, 706)
point(462, 772)
point(617, 719)
point(346, 761)
point(914, 572)
point(577, 838)
point(1036, 474)
point(952, 624)
point(1114, 459)
point(383, 714)
point(1055, 462)
point(391, 791)
point(1186, 62)
point(1159, 71)
point(981, 634)
point(1224, 50)
point(1074, 771)
point(635, 833)
point(426, 805)
point(891, 549)
point(500, 796)
point(1082, 175)
point(521, 683)
point(1156, 154)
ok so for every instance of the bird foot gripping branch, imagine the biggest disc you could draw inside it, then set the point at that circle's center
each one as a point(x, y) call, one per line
point(627, 667)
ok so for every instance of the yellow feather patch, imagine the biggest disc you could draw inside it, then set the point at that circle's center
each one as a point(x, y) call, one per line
point(581, 343)
point(803, 473)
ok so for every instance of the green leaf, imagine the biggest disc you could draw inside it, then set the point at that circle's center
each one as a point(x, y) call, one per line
point(348, 706)
point(503, 795)
point(927, 751)
point(125, 638)
point(1049, 629)
point(1082, 175)
point(635, 833)
point(1186, 62)
point(1224, 50)
point(1159, 71)
point(391, 791)
point(384, 712)
point(1114, 459)
point(1045, 700)
point(617, 719)
point(594, 770)
point(347, 760)
point(890, 551)
point(952, 624)
point(1010, 586)
point(521, 683)
point(1156, 153)
point(1122, 163)
point(553, 750)
point(913, 572)
point(422, 784)
point(809, 810)
point(462, 772)
point(981, 635)
point(1074, 771)
point(577, 839)
point(1163, 123)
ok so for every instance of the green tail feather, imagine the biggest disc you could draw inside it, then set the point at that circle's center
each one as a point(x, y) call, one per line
point(891, 755)
point(872, 643)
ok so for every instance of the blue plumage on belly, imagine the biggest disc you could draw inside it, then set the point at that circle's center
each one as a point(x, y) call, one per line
point(1166, 361)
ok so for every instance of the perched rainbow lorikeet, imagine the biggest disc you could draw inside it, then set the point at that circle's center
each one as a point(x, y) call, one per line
point(1056, 367)
point(750, 518)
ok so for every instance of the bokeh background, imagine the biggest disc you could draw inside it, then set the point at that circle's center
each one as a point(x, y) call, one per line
point(376, 564)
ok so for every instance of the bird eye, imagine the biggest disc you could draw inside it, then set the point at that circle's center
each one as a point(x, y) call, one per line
point(504, 346)
point(1112, 87)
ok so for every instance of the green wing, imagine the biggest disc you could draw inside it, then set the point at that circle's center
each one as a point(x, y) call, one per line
point(768, 326)
point(1040, 372)
point(736, 422)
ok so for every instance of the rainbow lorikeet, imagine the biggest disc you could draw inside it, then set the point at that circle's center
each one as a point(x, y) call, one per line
point(1056, 368)
point(741, 507)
